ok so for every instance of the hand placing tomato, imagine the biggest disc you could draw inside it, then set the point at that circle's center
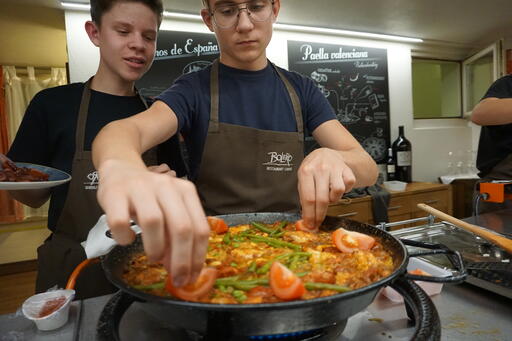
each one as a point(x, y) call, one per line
point(194, 291)
point(350, 241)
point(300, 226)
point(218, 225)
point(284, 283)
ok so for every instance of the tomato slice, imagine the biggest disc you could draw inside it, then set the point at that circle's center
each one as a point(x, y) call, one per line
point(419, 272)
point(194, 291)
point(284, 283)
point(217, 224)
point(350, 241)
point(299, 226)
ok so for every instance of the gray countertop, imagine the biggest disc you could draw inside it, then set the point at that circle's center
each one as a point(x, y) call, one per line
point(466, 313)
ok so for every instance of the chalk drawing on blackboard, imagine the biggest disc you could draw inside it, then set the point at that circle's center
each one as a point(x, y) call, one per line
point(354, 78)
point(375, 145)
point(196, 66)
point(319, 77)
point(374, 101)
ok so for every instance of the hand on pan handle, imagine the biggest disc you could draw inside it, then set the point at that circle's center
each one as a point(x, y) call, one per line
point(167, 209)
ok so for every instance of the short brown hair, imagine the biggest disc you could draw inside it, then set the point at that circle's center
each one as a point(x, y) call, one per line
point(100, 7)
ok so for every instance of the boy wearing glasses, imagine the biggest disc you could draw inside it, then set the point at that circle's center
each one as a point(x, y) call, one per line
point(243, 120)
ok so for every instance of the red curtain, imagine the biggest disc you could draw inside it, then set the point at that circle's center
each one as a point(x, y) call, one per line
point(10, 210)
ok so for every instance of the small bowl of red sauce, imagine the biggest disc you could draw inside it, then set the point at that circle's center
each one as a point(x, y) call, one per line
point(49, 310)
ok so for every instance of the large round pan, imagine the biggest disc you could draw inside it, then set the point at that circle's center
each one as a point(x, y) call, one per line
point(285, 317)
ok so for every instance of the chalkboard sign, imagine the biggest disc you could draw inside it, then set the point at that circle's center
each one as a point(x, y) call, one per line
point(177, 53)
point(355, 81)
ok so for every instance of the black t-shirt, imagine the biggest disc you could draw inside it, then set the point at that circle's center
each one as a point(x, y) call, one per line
point(47, 133)
point(495, 141)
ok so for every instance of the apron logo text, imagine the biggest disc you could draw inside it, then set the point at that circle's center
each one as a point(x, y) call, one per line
point(93, 181)
point(279, 162)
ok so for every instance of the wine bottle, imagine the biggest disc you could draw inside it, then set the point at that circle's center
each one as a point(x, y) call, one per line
point(390, 165)
point(402, 152)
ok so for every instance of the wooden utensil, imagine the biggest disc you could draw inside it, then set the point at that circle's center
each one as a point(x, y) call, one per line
point(504, 243)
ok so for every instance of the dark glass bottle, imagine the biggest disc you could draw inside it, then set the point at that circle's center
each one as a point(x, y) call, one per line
point(402, 152)
point(390, 165)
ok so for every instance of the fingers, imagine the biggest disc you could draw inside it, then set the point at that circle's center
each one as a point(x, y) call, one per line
point(337, 187)
point(118, 217)
point(150, 218)
point(322, 195)
point(202, 233)
point(306, 187)
point(187, 231)
point(323, 178)
point(167, 209)
point(349, 179)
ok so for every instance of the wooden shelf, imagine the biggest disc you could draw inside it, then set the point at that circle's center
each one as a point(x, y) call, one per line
point(402, 205)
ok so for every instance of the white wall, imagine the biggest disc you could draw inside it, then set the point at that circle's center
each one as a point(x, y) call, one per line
point(431, 139)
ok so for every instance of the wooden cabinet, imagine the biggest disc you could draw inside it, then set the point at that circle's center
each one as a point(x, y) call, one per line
point(402, 205)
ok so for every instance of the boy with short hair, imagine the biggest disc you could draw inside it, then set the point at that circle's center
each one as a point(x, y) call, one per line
point(60, 124)
point(244, 121)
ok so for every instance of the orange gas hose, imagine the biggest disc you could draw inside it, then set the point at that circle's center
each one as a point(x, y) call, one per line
point(74, 275)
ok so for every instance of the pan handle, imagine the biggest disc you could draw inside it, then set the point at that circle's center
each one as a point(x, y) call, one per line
point(420, 310)
point(454, 257)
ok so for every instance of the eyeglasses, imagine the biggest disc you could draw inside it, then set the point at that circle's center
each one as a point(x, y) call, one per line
point(226, 15)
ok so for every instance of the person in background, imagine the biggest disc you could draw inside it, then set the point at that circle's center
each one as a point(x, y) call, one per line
point(244, 121)
point(60, 124)
point(494, 114)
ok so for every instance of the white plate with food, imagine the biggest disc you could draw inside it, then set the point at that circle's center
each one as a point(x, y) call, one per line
point(31, 176)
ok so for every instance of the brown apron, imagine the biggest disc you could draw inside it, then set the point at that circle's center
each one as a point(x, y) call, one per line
point(62, 252)
point(245, 169)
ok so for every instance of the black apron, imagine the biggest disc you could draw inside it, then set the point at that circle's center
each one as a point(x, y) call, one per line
point(502, 170)
point(62, 252)
point(246, 169)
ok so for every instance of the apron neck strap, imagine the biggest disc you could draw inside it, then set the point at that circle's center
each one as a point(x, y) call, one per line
point(214, 97)
point(82, 118)
point(297, 108)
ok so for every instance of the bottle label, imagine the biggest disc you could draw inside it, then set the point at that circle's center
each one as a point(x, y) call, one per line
point(391, 169)
point(403, 158)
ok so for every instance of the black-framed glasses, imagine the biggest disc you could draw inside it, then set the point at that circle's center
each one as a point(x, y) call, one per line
point(226, 15)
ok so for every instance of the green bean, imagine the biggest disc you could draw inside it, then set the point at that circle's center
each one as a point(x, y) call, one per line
point(241, 284)
point(275, 242)
point(261, 227)
point(301, 274)
point(239, 296)
point(278, 231)
point(252, 267)
point(159, 285)
point(293, 262)
point(226, 239)
point(326, 286)
point(266, 267)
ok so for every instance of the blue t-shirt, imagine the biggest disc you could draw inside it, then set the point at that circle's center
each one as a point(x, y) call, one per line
point(256, 99)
